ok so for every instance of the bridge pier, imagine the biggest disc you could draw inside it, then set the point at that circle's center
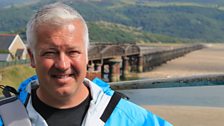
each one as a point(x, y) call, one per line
point(114, 69)
point(97, 67)
point(90, 67)
point(133, 63)
point(140, 63)
point(125, 67)
point(93, 70)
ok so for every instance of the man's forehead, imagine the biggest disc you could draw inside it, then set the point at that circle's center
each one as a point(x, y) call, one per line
point(70, 29)
point(77, 24)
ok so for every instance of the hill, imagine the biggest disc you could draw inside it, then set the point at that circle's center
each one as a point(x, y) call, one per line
point(190, 1)
point(174, 20)
point(111, 32)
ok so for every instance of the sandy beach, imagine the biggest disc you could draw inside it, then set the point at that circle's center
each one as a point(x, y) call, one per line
point(189, 115)
point(209, 60)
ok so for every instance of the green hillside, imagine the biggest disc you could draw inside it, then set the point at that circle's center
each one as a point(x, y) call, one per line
point(110, 32)
point(173, 21)
point(184, 1)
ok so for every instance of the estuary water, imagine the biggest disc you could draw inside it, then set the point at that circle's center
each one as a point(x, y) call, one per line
point(211, 96)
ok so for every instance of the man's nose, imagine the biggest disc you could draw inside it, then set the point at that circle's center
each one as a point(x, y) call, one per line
point(62, 62)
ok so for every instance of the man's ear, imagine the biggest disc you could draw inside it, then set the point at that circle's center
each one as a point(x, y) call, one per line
point(32, 60)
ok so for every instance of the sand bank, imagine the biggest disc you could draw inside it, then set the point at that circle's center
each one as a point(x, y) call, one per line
point(190, 115)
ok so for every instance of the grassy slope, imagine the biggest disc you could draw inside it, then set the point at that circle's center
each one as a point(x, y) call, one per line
point(14, 75)
point(111, 32)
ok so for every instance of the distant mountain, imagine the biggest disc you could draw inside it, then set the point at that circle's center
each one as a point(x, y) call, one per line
point(152, 20)
point(187, 1)
point(10, 3)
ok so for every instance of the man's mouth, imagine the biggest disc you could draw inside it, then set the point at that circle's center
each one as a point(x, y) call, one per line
point(62, 76)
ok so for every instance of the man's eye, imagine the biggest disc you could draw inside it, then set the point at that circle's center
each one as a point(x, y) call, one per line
point(49, 54)
point(73, 53)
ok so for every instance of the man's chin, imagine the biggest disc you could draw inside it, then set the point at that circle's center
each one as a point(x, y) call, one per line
point(64, 92)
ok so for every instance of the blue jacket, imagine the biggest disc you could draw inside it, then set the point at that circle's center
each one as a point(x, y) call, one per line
point(123, 113)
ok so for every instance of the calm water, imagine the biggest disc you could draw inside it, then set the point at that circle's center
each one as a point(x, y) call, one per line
point(212, 96)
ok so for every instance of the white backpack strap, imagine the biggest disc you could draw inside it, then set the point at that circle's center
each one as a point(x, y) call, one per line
point(13, 112)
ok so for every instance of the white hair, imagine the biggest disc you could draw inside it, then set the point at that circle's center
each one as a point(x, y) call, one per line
point(57, 14)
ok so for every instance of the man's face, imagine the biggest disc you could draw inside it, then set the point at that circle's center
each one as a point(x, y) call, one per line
point(60, 58)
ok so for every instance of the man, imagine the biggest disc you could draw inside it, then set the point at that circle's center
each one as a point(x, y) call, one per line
point(58, 42)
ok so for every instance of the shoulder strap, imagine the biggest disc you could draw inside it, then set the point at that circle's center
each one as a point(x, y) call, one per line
point(111, 106)
point(13, 112)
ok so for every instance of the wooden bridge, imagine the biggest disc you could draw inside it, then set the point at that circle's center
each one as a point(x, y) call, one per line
point(116, 61)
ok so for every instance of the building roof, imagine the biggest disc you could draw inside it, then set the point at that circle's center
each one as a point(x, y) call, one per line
point(6, 40)
point(3, 57)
